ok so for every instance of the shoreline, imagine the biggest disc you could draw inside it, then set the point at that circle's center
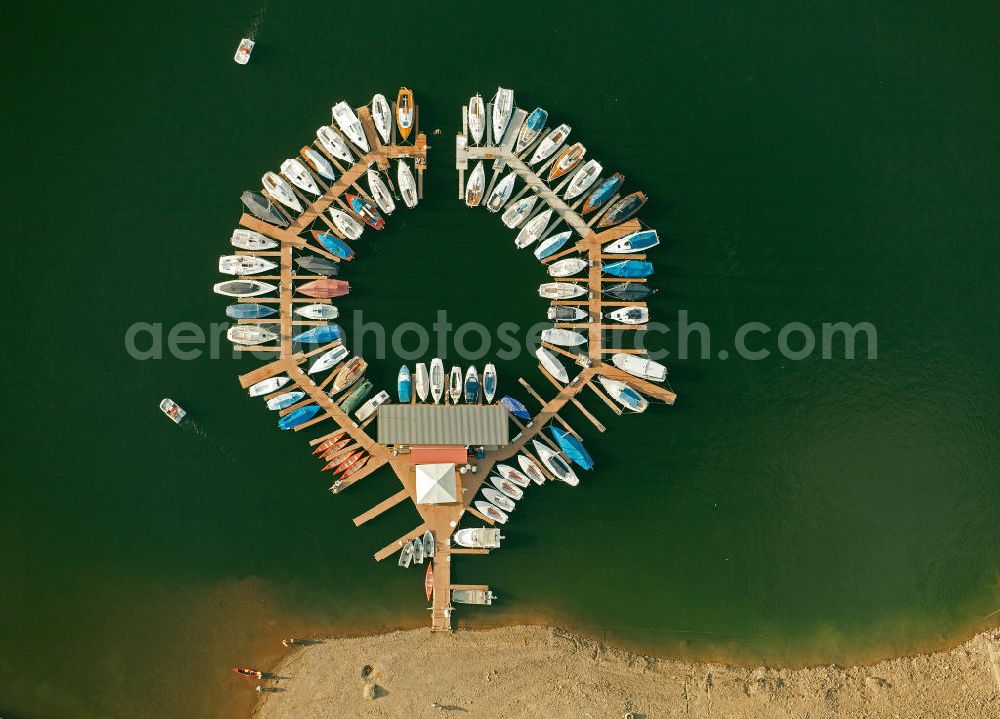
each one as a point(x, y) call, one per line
point(524, 670)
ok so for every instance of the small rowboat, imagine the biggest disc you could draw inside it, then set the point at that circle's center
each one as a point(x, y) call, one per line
point(332, 450)
point(429, 581)
point(418, 550)
point(428, 544)
point(356, 467)
point(406, 555)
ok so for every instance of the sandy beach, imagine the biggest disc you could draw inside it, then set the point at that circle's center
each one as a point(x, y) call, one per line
point(547, 672)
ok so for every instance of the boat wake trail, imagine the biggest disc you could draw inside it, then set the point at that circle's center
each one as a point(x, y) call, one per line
point(192, 427)
point(258, 18)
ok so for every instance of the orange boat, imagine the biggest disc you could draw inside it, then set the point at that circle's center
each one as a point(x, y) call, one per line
point(567, 160)
point(248, 672)
point(328, 443)
point(429, 580)
point(349, 374)
point(324, 288)
point(332, 450)
point(348, 463)
point(337, 456)
point(355, 467)
point(404, 112)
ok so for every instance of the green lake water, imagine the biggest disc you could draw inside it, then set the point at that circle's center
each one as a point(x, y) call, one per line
point(821, 163)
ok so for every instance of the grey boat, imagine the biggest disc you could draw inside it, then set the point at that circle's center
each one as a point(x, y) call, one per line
point(261, 208)
point(429, 544)
point(406, 555)
point(629, 291)
point(472, 596)
point(320, 265)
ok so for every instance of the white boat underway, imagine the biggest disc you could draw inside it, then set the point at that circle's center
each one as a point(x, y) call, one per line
point(334, 144)
point(279, 190)
point(380, 192)
point(350, 125)
point(243, 50)
point(503, 108)
point(550, 143)
point(298, 175)
point(477, 118)
point(382, 116)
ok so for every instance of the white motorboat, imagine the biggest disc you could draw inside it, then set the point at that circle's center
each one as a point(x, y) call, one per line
point(554, 462)
point(422, 381)
point(503, 108)
point(641, 367)
point(250, 335)
point(320, 165)
point(568, 267)
point(318, 312)
point(277, 188)
point(348, 226)
point(475, 186)
point(583, 179)
point(173, 410)
point(489, 382)
point(565, 313)
point(501, 192)
point(549, 144)
point(478, 538)
point(623, 394)
point(513, 475)
point(368, 408)
point(533, 229)
point(242, 288)
point(629, 315)
point(350, 125)
point(551, 365)
point(473, 596)
point(506, 487)
point(515, 214)
point(244, 265)
point(267, 386)
point(499, 499)
point(455, 384)
point(531, 469)
point(437, 380)
point(561, 290)
point(477, 118)
point(406, 555)
point(251, 241)
point(563, 338)
point(380, 191)
point(407, 185)
point(334, 144)
point(329, 359)
point(488, 510)
point(243, 50)
point(295, 171)
point(382, 116)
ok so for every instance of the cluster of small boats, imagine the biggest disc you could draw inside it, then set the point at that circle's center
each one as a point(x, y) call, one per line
point(342, 457)
point(431, 383)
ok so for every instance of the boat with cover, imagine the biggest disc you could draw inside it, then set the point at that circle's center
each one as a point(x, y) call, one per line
point(509, 489)
point(554, 462)
point(437, 380)
point(298, 175)
point(333, 244)
point(404, 111)
point(641, 367)
point(513, 475)
point(553, 366)
point(629, 291)
point(243, 50)
point(350, 125)
point(623, 394)
point(244, 265)
point(567, 160)
point(531, 469)
point(249, 311)
point(324, 289)
point(475, 596)
point(629, 315)
point(572, 447)
point(428, 540)
point(515, 214)
point(551, 245)
point(503, 108)
point(567, 267)
point(298, 416)
point(263, 209)
point(475, 186)
point(249, 335)
point(348, 226)
point(406, 555)
point(533, 125)
point(476, 118)
point(251, 241)
point(622, 210)
point(349, 374)
point(501, 193)
point(584, 178)
point(369, 407)
point(320, 165)
point(499, 499)
point(478, 538)
point(285, 399)
point(404, 385)
point(418, 550)
point(267, 386)
point(634, 242)
point(489, 382)
point(561, 290)
point(242, 288)
point(533, 229)
point(455, 384)
point(407, 185)
point(627, 268)
point(380, 192)
point(334, 144)
point(173, 410)
point(516, 408)
point(363, 209)
point(382, 116)
point(565, 313)
point(422, 382)
point(328, 359)
point(604, 192)
point(356, 396)
point(317, 312)
point(318, 265)
point(280, 190)
point(319, 335)
point(549, 144)
point(563, 338)
point(471, 385)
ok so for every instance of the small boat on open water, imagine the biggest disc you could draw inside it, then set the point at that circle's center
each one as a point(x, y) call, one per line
point(173, 410)
point(243, 288)
point(549, 144)
point(382, 116)
point(243, 50)
point(553, 366)
point(476, 118)
point(404, 112)
point(422, 382)
point(251, 241)
point(334, 144)
point(503, 108)
point(350, 125)
point(475, 186)
point(515, 214)
point(533, 125)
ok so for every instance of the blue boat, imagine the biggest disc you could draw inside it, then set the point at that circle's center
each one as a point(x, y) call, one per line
point(334, 244)
point(319, 335)
point(471, 385)
point(249, 311)
point(298, 416)
point(515, 408)
point(636, 242)
point(536, 120)
point(573, 447)
point(404, 385)
point(628, 268)
point(604, 192)
point(552, 245)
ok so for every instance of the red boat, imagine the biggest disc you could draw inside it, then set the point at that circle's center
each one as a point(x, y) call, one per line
point(429, 580)
point(337, 456)
point(332, 450)
point(328, 443)
point(355, 467)
point(248, 672)
point(363, 209)
point(348, 463)
point(324, 289)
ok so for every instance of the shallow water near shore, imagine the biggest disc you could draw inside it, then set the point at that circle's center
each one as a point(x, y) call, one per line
point(813, 165)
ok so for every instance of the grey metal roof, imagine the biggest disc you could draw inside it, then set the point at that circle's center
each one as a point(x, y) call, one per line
point(464, 424)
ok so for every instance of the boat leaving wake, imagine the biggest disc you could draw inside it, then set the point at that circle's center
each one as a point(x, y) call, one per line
point(258, 18)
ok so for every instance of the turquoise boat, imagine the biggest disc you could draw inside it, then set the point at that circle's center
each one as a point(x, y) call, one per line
point(319, 335)
point(404, 385)
point(552, 245)
point(572, 447)
point(298, 416)
point(333, 244)
point(249, 311)
point(628, 268)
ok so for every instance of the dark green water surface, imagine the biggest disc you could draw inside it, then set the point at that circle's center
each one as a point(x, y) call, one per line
point(818, 162)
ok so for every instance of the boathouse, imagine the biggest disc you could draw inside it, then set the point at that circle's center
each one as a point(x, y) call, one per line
point(461, 425)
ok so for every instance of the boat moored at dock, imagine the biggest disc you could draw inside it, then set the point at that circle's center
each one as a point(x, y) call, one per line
point(407, 185)
point(251, 241)
point(249, 311)
point(243, 288)
point(382, 116)
point(531, 469)
point(471, 385)
point(641, 367)
point(501, 193)
point(489, 382)
point(622, 210)
point(320, 265)
point(349, 374)
point(549, 144)
point(563, 338)
point(552, 245)
point(532, 127)
point(350, 125)
point(561, 290)
point(533, 229)
point(629, 291)
point(568, 267)
point(267, 386)
point(474, 596)
point(371, 406)
point(476, 118)
point(517, 212)
point(623, 394)
point(455, 384)
point(380, 192)
point(280, 190)
point(437, 379)
point(244, 265)
point(320, 165)
point(422, 382)
point(363, 209)
point(583, 179)
point(404, 385)
point(503, 108)
point(632, 243)
point(567, 160)
point(324, 289)
point(515, 407)
point(263, 209)
point(628, 268)
point(572, 447)
point(553, 366)
point(404, 112)
point(334, 144)
point(478, 538)
point(298, 416)
point(347, 225)
point(319, 335)
point(554, 462)
point(629, 315)
point(474, 188)
point(295, 172)
point(327, 360)
point(604, 192)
